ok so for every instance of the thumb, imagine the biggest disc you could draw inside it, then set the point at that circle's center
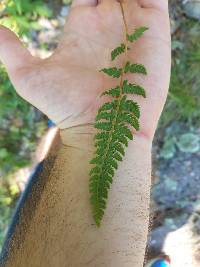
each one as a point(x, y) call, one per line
point(12, 52)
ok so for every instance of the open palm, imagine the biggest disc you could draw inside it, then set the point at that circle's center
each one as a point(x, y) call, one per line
point(66, 86)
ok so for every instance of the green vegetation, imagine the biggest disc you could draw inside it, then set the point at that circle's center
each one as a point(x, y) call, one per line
point(22, 15)
point(9, 192)
point(184, 95)
point(182, 114)
point(20, 124)
point(19, 127)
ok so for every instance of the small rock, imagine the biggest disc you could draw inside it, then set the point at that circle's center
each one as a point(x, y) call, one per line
point(64, 11)
point(170, 184)
point(45, 23)
point(169, 222)
point(192, 9)
point(156, 240)
point(168, 150)
point(189, 143)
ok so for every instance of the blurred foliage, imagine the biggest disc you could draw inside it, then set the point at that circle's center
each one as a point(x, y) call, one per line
point(9, 192)
point(184, 95)
point(67, 2)
point(20, 124)
point(22, 15)
point(19, 127)
point(182, 106)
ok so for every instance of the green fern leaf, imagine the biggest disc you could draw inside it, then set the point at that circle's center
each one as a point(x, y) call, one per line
point(95, 170)
point(137, 34)
point(101, 144)
point(130, 119)
point(113, 163)
point(122, 139)
point(110, 171)
point(135, 68)
point(97, 160)
point(117, 51)
point(117, 157)
point(102, 135)
point(119, 148)
point(115, 122)
point(129, 88)
point(113, 72)
point(114, 92)
point(108, 106)
point(100, 150)
point(124, 130)
point(131, 106)
point(106, 126)
point(104, 116)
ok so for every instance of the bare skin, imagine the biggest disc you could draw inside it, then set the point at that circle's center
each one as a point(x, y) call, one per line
point(66, 88)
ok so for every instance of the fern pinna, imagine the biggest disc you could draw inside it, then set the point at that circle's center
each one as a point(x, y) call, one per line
point(114, 121)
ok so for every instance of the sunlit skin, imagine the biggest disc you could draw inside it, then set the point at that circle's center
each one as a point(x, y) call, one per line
point(67, 85)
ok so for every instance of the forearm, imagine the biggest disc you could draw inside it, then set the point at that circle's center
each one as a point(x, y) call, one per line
point(121, 239)
point(61, 231)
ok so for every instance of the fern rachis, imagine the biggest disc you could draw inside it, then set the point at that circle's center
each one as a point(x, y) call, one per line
point(114, 122)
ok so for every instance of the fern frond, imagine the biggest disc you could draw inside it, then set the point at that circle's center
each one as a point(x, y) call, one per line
point(137, 34)
point(135, 68)
point(94, 170)
point(116, 121)
point(117, 51)
point(105, 116)
point(130, 106)
point(129, 88)
point(119, 148)
point(108, 106)
point(102, 135)
point(113, 72)
point(123, 140)
point(130, 119)
point(124, 130)
point(105, 126)
point(115, 92)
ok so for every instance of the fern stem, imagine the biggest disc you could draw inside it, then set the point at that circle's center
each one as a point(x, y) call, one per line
point(125, 41)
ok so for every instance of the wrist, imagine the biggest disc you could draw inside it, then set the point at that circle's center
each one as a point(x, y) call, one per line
point(125, 224)
point(82, 137)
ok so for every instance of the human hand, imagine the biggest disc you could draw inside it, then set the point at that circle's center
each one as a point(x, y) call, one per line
point(67, 85)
